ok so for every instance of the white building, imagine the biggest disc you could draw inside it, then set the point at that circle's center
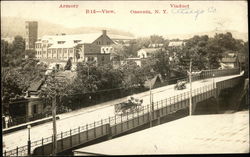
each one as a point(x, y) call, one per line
point(80, 47)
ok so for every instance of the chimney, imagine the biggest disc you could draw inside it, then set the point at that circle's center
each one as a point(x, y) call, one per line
point(104, 32)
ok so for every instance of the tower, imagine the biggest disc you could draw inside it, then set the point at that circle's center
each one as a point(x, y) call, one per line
point(31, 30)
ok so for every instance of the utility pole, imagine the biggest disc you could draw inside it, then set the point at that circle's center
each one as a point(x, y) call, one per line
point(190, 82)
point(150, 102)
point(54, 125)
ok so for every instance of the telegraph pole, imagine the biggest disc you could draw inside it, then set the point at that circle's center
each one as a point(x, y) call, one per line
point(150, 97)
point(54, 126)
point(190, 82)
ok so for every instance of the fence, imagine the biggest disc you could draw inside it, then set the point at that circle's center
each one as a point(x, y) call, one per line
point(121, 124)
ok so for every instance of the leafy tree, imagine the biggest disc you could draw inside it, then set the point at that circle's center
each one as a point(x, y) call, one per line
point(30, 53)
point(162, 65)
point(13, 53)
point(68, 64)
point(156, 39)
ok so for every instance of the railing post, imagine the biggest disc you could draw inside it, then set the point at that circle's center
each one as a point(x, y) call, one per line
point(70, 138)
point(5, 153)
point(138, 117)
point(62, 140)
point(17, 151)
point(87, 134)
point(79, 130)
point(143, 115)
point(115, 125)
point(42, 147)
point(94, 130)
point(127, 120)
point(133, 119)
point(102, 125)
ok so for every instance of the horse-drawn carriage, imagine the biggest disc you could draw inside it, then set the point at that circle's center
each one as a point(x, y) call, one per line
point(131, 105)
point(180, 85)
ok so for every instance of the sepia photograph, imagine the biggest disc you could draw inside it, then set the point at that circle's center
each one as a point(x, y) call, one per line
point(93, 78)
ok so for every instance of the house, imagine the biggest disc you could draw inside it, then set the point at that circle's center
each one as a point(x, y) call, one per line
point(229, 62)
point(176, 43)
point(79, 47)
point(35, 104)
point(154, 82)
point(155, 45)
point(120, 39)
point(147, 52)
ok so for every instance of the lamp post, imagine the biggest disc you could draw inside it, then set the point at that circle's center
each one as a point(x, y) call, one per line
point(190, 82)
point(29, 142)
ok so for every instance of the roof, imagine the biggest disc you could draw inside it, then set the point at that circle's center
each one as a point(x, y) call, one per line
point(35, 86)
point(69, 39)
point(175, 43)
point(67, 74)
point(120, 37)
point(198, 134)
point(149, 50)
point(152, 81)
point(228, 60)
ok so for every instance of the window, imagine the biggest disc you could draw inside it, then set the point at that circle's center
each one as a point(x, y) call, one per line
point(76, 41)
point(65, 50)
point(61, 42)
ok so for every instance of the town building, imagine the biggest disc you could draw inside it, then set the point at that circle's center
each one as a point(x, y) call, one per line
point(176, 43)
point(81, 47)
point(229, 62)
point(147, 52)
point(31, 33)
point(230, 59)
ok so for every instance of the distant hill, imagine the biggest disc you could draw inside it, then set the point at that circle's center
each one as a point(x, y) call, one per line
point(236, 35)
point(12, 26)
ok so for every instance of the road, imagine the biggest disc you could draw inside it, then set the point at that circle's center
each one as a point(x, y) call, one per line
point(94, 113)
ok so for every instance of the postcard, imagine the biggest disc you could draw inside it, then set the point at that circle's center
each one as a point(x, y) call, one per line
point(124, 77)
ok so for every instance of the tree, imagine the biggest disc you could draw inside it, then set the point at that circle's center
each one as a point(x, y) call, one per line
point(162, 65)
point(68, 64)
point(13, 53)
point(156, 39)
point(30, 53)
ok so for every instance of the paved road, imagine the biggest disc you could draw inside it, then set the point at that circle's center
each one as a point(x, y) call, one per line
point(95, 113)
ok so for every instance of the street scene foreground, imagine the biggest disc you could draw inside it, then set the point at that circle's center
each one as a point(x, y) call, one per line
point(199, 134)
point(75, 119)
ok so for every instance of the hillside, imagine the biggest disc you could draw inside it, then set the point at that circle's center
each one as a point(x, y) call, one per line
point(236, 35)
point(12, 26)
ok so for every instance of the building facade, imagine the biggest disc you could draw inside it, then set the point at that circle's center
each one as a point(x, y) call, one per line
point(31, 32)
point(81, 47)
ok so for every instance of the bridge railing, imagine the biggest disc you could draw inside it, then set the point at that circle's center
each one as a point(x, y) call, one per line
point(142, 116)
point(169, 104)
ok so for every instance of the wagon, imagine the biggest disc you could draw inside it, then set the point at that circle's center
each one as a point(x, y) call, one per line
point(128, 106)
point(180, 85)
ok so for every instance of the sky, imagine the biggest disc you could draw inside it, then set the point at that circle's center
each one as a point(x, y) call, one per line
point(200, 16)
